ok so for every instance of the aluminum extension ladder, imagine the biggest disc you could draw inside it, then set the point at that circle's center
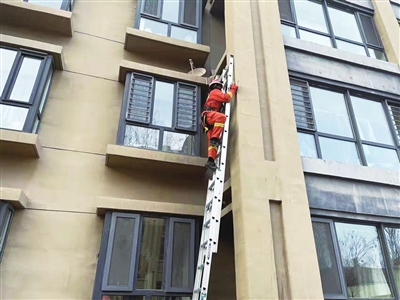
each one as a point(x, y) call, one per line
point(212, 211)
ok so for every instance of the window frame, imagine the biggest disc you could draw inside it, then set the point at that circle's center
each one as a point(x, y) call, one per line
point(348, 91)
point(4, 208)
point(67, 5)
point(346, 7)
point(44, 74)
point(198, 27)
point(379, 225)
point(105, 252)
point(123, 121)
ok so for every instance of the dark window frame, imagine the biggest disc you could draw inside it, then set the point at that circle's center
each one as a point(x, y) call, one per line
point(123, 121)
point(198, 27)
point(347, 7)
point(67, 5)
point(45, 75)
point(5, 208)
point(347, 92)
point(104, 252)
point(379, 225)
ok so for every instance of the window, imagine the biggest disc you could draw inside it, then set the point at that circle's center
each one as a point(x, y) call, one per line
point(146, 257)
point(159, 115)
point(58, 4)
point(333, 26)
point(346, 127)
point(6, 215)
point(396, 9)
point(24, 86)
point(180, 19)
point(358, 261)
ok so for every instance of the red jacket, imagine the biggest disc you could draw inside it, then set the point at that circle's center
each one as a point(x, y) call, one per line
point(217, 97)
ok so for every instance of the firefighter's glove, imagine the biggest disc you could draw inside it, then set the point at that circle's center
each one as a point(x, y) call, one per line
point(234, 88)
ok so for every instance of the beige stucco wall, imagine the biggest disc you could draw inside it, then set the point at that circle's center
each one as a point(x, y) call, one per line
point(52, 246)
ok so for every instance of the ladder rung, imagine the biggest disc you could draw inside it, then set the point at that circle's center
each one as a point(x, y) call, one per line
point(209, 204)
point(197, 290)
point(211, 185)
point(201, 267)
point(203, 245)
point(207, 223)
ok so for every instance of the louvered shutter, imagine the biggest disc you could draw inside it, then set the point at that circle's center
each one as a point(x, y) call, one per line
point(151, 7)
point(139, 99)
point(186, 107)
point(395, 116)
point(302, 104)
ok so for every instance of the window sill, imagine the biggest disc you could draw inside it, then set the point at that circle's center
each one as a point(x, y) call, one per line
point(19, 143)
point(109, 203)
point(171, 49)
point(129, 66)
point(349, 171)
point(16, 197)
point(155, 161)
point(51, 49)
point(36, 16)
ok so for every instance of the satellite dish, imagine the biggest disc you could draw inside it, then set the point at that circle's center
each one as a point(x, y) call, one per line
point(198, 72)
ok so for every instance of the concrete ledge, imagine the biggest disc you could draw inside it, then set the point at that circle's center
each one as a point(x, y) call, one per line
point(170, 48)
point(16, 197)
point(19, 143)
point(155, 161)
point(340, 55)
point(349, 171)
point(36, 16)
point(108, 203)
point(51, 49)
point(129, 66)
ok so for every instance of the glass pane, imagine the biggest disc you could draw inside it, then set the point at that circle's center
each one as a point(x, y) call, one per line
point(181, 298)
point(371, 121)
point(310, 15)
point(326, 258)
point(315, 38)
point(7, 58)
point(49, 3)
point(285, 10)
point(6, 224)
point(288, 30)
point(178, 143)
point(190, 12)
point(377, 54)
point(12, 117)
point(349, 47)
point(153, 26)
point(45, 92)
point(184, 34)
point(163, 104)
point(141, 137)
point(338, 150)
point(151, 260)
point(151, 7)
point(307, 145)
point(180, 277)
point(26, 78)
point(36, 125)
point(330, 112)
point(170, 10)
point(381, 157)
point(120, 267)
point(367, 23)
point(344, 24)
point(363, 264)
point(392, 237)
point(110, 297)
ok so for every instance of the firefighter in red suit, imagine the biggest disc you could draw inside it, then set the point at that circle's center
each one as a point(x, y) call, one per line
point(213, 121)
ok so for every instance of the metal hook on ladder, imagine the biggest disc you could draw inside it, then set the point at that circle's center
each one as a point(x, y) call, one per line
point(213, 205)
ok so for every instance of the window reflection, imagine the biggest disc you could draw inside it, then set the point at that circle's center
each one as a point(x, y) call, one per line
point(315, 38)
point(344, 24)
point(392, 236)
point(362, 260)
point(141, 137)
point(26, 79)
point(153, 26)
point(338, 150)
point(163, 104)
point(6, 61)
point(349, 47)
point(381, 157)
point(12, 117)
point(170, 10)
point(178, 143)
point(307, 145)
point(49, 3)
point(184, 34)
point(288, 30)
point(310, 15)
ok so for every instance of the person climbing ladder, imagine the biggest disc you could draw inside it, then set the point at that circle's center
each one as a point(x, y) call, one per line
point(212, 120)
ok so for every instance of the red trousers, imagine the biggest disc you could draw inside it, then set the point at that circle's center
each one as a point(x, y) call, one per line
point(216, 121)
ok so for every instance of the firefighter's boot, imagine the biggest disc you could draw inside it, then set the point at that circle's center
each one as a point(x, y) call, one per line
point(211, 164)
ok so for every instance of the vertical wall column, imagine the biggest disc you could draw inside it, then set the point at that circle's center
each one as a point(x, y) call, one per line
point(388, 28)
point(275, 255)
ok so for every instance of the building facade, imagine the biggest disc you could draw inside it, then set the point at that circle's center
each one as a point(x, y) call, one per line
point(102, 177)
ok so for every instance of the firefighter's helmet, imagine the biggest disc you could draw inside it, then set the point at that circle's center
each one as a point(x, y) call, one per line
point(213, 83)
